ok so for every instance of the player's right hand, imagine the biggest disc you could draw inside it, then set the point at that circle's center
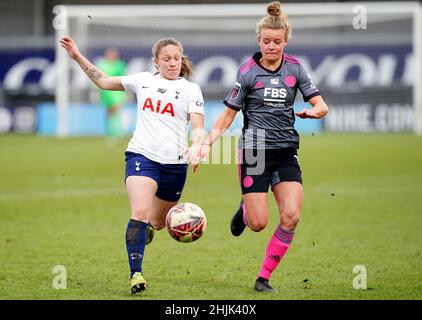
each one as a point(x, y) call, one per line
point(70, 46)
point(192, 156)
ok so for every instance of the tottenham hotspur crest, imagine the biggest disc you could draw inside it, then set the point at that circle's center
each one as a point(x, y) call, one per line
point(137, 164)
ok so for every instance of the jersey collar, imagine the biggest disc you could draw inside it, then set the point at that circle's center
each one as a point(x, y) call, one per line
point(258, 55)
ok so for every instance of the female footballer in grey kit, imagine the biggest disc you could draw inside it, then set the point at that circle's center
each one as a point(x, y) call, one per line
point(265, 91)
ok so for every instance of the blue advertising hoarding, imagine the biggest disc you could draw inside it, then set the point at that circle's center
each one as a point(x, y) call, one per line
point(362, 66)
point(373, 78)
point(90, 119)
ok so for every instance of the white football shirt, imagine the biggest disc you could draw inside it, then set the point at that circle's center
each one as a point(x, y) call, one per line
point(161, 132)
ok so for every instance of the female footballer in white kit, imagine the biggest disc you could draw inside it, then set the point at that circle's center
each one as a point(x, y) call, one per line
point(157, 156)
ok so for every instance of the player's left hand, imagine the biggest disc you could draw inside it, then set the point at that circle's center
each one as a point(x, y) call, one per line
point(306, 114)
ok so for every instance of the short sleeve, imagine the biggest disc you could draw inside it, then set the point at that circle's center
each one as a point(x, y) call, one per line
point(236, 96)
point(133, 81)
point(306, 86)
point(196, 101)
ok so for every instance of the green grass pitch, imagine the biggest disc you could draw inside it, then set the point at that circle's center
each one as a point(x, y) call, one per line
point(63, 202)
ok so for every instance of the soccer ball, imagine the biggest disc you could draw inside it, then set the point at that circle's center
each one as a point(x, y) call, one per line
point(186, 222)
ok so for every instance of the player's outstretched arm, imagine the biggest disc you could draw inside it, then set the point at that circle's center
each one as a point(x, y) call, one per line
point(221, 125)
point(97, 76)
point(319, 110)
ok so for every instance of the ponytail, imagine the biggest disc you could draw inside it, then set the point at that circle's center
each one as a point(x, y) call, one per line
point(275, 19)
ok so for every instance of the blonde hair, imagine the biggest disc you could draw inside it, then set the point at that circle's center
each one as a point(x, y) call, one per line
point(186, 70)
point(275, 19)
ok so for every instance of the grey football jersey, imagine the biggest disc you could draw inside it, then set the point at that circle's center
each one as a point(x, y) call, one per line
point(266, 99)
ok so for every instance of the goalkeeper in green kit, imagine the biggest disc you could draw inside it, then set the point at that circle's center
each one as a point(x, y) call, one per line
point(113, 66)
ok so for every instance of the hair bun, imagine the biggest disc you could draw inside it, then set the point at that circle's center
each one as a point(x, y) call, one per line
point(274, 9)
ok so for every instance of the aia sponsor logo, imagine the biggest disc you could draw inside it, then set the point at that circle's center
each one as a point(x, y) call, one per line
point(167, 109)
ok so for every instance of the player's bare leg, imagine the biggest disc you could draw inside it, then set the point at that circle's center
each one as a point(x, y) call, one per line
point(289, 197)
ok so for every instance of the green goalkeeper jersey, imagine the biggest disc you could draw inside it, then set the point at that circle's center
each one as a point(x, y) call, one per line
point(112, 68)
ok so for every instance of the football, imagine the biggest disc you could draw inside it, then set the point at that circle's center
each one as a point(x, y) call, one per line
point(186, 222)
